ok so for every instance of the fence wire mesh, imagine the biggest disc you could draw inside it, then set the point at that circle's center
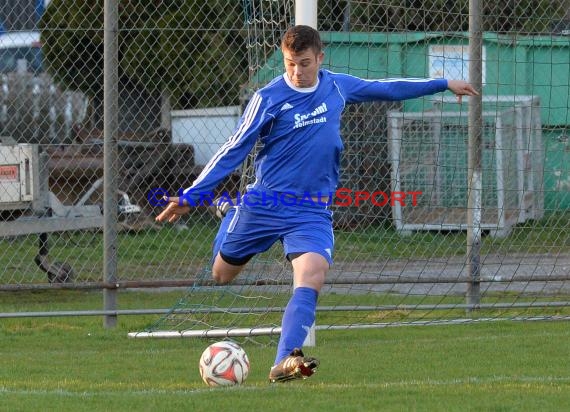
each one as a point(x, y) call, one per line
point(187, 69)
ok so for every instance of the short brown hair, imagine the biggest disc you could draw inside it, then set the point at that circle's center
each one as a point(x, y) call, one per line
point(300, 38)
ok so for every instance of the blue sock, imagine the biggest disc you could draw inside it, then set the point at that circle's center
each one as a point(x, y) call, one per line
point(299, 316)
point(222, 232)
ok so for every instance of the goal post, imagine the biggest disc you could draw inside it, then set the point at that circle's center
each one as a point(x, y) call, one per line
point(306, 12)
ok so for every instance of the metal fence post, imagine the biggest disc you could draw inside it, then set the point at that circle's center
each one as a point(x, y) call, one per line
point(474, 191)
point(110, 130)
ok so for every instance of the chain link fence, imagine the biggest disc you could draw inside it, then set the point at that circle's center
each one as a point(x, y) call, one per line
point(186, 70)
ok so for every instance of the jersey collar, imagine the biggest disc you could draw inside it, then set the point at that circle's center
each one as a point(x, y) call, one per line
point(301, 89)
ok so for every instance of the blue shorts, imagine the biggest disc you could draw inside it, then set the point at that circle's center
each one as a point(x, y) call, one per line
point(301, 228)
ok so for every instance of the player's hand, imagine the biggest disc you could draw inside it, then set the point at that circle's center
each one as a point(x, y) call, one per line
point(461, 88)
point(173, 210)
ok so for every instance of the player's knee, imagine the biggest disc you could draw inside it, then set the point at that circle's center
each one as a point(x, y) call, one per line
point(316, 279)
point(223, 273)
point(220, 278)
point(310, 270)
point(313, 279)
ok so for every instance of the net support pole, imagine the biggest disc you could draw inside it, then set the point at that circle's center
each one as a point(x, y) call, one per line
point(306, 13)
point(474, 172)
point(110, 154)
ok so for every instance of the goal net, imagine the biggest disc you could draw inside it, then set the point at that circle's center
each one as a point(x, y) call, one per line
point(401, 260)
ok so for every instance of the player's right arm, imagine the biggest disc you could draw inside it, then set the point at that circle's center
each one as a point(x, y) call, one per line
point(173, 211)
point(232, 154)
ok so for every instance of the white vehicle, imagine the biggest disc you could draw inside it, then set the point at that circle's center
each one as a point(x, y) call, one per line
point(20, 45)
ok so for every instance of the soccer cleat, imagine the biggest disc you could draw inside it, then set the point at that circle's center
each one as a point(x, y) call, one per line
point(219, 207)
point(294, 366)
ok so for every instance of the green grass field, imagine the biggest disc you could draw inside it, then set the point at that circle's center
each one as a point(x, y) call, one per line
point(74, 364)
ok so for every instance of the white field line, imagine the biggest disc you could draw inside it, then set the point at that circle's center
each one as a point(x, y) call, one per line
point(470, 380)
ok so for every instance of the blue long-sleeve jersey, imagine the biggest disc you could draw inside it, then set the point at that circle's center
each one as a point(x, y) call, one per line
point(299, 131)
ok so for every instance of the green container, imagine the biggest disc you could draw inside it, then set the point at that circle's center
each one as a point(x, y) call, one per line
point(513, 65)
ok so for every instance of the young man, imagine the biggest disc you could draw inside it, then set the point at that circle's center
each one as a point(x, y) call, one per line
point(296, 117)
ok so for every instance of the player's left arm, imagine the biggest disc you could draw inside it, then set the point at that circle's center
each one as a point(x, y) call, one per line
point(357, 90)
point(461, 88)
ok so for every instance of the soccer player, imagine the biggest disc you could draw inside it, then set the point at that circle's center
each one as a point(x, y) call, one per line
point(296, 118)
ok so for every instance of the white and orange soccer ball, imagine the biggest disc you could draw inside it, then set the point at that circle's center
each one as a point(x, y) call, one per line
point(224, 363)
